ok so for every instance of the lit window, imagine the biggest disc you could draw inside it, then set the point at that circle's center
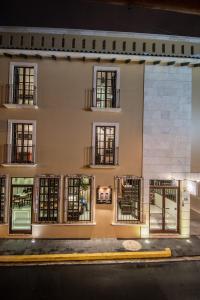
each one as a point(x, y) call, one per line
point(78, 198)
point(22, 87)
point(2, 198)
point(105, 144)
point(128, 199)
point(21, 142)
point(48, 199)
point(106, 88)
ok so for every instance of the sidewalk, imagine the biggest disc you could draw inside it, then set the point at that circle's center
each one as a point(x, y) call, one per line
point(179, 247)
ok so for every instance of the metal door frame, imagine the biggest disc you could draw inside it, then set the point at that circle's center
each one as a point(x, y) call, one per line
point(163, 230)
point(10, 210)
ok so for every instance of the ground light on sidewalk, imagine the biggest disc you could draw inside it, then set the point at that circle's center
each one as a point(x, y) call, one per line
point(165, 253)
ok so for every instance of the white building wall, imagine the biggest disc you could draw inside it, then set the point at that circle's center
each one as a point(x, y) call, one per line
point(167, 129)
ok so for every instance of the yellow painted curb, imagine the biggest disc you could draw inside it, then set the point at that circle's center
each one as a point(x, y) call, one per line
point(84, 256)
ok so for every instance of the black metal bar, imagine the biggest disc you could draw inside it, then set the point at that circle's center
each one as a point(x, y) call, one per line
point(2, 197)
point(128, 199)
point(79, 198)
point(22, 154)
point(48, 199)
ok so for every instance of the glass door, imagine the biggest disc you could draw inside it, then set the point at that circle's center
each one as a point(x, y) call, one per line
point(164, 209)
point(171, 209)
point(156, 209)
point(21, 205)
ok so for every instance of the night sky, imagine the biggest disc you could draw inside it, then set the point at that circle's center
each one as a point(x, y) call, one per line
point(100, 16)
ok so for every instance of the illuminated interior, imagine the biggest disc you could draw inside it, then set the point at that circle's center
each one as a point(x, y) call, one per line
point(21, 204)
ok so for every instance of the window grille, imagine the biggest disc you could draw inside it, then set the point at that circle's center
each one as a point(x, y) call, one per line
point(105, 151)
point(22, 41)
point(153, 47)
point(11, 40)
point(104, 44)
point(93, 44)
point(83, 43)
point(78, 198)
point(53, 42)
point(22, 148)
point(124, 46)
point(106, 93)
point(134, 46)
point(42, 41)
point(73, 43)
point(63, 42)
point(48, 199)
point(2, 197)
point(32, 41)
point(128, 199)
point(23, 85)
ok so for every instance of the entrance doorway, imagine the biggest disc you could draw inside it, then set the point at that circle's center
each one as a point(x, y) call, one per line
point(21, 205)
point(164, 206)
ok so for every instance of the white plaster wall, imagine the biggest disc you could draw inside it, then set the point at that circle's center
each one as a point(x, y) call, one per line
point(167, 125)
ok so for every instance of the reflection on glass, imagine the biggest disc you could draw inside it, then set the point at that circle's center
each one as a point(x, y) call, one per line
point(21, 208)
point(171, 209)
point(156, 209)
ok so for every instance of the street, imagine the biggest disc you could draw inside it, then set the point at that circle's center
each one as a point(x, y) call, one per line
point(172, 280)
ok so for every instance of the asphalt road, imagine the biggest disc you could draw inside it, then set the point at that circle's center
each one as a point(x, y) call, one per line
point(158, 281)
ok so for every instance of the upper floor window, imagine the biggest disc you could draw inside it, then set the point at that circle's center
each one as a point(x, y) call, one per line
point(23, 84)
point(106, 88)
point(2, 197)
point(48, 199)
point(128, 191)
point(105, 144)
point(20, 148)
point(78, 189)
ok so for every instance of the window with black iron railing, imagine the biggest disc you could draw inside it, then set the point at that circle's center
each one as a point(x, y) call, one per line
point(21, 150)
point(105, 93)
point(48, 199)
point(2, 198)
point(22, 154)
point(129, 206)
point(105, 151)
point(23, 89)
point(78, 191)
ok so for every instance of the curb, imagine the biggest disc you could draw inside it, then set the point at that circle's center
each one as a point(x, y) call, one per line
point(166, 253)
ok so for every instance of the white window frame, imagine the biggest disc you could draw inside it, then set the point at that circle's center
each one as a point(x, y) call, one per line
point(11, 82)
point(94, 100)
point(9, 140)
point(95, 124)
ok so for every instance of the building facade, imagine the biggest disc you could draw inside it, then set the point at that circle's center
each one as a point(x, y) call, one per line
point(98, 133)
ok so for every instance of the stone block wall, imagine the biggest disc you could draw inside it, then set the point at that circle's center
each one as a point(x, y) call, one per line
point(167, 126)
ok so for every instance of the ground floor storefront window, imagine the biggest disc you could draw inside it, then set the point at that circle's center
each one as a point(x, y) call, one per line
point(48, 199)
point(2, 198)
point(21, 204)
point(78, 191)
point(128, 199)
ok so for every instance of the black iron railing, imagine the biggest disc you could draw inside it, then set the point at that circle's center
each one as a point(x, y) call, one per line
point(19, 154)
point(105, 100)
point(129, 201)
point(20, 94)
point(104, 156)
